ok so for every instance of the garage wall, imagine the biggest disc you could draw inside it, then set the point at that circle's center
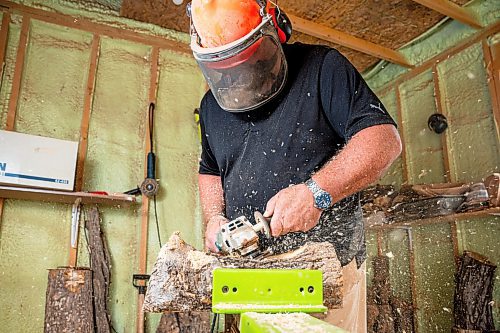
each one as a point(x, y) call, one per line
point(53, 83)
point(458, 82)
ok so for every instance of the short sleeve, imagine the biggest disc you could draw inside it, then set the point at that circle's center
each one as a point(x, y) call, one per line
point(208, 162)
point(350, 105)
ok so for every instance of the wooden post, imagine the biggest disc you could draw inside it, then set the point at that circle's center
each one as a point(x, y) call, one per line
point(68, 306)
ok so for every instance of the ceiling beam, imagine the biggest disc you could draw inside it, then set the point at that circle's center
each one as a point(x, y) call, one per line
point(344, 39)
point(452, 10)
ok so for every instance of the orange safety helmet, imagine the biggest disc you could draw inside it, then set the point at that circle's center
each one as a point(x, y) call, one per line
point(237, 45)
point(220, 22)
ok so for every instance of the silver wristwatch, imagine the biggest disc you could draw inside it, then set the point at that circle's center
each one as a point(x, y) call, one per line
point(322, 199)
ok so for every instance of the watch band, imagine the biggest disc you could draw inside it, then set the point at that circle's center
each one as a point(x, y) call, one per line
point(322, 199)
point(313, 186)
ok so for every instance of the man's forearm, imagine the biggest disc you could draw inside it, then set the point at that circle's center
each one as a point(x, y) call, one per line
point(363, 160)
point(211, 196)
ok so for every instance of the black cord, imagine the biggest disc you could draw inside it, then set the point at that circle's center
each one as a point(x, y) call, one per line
point(157, 223)
point(151, 123)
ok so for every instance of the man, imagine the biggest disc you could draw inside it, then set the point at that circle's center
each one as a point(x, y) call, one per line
point(290, 130)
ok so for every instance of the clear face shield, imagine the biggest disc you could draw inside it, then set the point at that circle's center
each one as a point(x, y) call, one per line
point(246, 73)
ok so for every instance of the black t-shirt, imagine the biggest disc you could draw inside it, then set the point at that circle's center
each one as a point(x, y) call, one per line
point(324, 103)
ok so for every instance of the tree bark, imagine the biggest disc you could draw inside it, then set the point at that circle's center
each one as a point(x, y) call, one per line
point(68, 306)
point(192, 322)
point(473, 293)
point(99, 262)
point(182, 277)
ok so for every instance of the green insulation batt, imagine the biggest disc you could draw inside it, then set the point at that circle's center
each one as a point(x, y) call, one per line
point(35, 236)
point(467, 104)
point(393, 176)
point(424, 156)
point(434, 273)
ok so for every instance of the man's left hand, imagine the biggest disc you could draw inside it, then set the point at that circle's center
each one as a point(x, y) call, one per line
point(291, 210)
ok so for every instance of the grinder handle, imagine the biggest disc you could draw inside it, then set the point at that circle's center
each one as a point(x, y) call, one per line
point(262, 224)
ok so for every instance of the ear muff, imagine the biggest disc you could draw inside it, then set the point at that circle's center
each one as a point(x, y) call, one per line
point(282, 24)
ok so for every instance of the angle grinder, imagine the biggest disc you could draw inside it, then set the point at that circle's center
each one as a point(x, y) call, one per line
point(241, 237)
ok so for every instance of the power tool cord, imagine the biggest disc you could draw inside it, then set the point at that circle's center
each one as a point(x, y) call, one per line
point(151, 128)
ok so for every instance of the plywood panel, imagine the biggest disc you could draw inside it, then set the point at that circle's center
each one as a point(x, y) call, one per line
point(424, 156)
point(467, 104)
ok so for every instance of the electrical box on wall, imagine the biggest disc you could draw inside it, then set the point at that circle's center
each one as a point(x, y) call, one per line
point(35, 161)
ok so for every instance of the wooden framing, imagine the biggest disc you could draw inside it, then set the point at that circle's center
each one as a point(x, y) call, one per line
point(84, 132)
point(344, 39)
point(97, 28)
point(379, 243)
point(413, 279)
point(16, 83)
point(492, 61)
point(444, 136)
point(438, 219)
point(18, 73)
point(441, 57)
point(406, 176)
point(4, 34)
point(452, 10)
point(143, 244)
point(454, 241)
point(87, 109)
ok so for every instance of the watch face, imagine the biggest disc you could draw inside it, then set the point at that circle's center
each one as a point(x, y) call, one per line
point(323, 200)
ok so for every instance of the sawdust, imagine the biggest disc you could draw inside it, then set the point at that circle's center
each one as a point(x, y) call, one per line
point(198, 260)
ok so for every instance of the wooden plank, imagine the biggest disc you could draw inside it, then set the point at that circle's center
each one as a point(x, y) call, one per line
point(439, 219)
point(143, 244)
point(452, 10)
point(87, 110)
point(379, 242)
point(454, 241)
point(491, 29)
point(444, 136)
point(401, 133)
point(25, 193)
point(492, 61)
point(413, 279)
point(4, 34)
point(344, 39)
point(18, 73)
point(97, 28)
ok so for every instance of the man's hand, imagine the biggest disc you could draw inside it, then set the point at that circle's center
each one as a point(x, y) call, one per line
point(213, 227)
point(292, 209)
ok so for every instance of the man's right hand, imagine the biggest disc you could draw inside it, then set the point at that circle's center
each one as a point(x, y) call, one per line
point(213, 227)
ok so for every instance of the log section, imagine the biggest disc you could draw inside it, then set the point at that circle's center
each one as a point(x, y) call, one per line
point(182, 276)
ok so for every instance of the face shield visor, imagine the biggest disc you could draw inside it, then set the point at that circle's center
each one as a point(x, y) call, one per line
point(246, 73)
